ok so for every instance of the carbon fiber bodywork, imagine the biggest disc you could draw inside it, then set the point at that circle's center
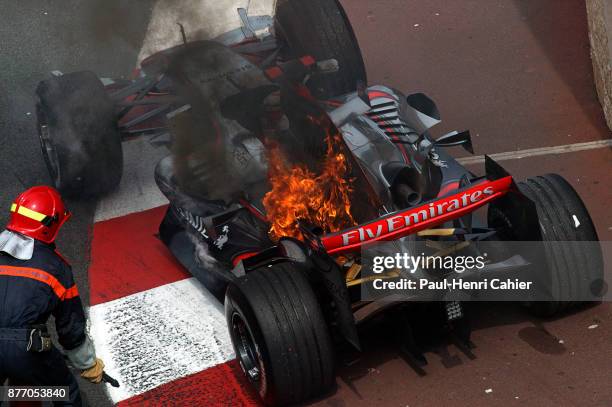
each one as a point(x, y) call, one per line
point(394, 161)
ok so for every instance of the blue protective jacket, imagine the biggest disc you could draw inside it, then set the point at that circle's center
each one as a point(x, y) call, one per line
point(32, 290)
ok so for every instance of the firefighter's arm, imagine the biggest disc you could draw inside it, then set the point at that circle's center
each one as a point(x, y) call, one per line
point(70, 324)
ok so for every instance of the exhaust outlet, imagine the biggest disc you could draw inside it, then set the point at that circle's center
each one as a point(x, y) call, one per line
point(406, 196)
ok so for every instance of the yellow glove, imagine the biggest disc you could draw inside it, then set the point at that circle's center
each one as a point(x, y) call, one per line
point(94, 373)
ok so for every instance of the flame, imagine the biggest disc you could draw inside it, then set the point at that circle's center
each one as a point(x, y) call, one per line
point(299, 194)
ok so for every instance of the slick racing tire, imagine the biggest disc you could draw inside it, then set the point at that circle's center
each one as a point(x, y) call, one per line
point(321, 29)
point(575, 271)
point(279, 334)
point(78, 133)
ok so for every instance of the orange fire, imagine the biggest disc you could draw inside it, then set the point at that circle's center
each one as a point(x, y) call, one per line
point(299, 194)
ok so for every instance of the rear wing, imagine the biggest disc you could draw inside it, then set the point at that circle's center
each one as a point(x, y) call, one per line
point(415, 219)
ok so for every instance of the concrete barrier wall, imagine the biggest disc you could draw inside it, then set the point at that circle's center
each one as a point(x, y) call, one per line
point(600, 34)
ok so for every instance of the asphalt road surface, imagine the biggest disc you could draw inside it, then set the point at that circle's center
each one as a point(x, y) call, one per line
point(517, 73)
point(69, 35)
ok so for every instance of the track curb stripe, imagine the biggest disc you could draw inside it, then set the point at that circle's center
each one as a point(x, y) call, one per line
point(160, 335)
point(127, 257)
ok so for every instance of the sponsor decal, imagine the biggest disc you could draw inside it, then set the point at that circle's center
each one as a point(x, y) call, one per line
point(223, 238)
point(197, 222)
point(412, 220)
point(435, 160)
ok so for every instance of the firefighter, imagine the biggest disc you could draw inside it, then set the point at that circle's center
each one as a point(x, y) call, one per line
point(36, 282)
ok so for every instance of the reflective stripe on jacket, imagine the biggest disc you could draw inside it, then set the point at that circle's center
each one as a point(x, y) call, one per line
point(32, 290)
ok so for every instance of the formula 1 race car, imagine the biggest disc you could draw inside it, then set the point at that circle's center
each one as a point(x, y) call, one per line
point(285, 167)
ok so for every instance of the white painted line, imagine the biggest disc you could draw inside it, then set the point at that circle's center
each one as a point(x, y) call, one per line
point(513, 155)
point(156, 336)
point(138, 190)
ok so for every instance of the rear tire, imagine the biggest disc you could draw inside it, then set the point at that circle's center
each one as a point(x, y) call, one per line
point(321, 29)
point(78, 132)
point(279, 334)
point(574, 272)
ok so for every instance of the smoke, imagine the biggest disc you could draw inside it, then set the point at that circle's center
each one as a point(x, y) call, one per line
point(221, 142)
point(202, 20)
point(116, 21)
point(202, 252)
point(210, 157)
point(304, 130)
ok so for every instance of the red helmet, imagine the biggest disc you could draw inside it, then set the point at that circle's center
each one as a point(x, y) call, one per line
point(39, 213)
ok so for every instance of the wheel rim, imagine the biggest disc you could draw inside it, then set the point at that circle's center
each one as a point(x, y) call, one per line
point(246, 350)
point(48, 149)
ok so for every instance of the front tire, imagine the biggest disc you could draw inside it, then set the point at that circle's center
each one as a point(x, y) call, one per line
point(279, 334)
point(78, 132)
point(321, 29)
